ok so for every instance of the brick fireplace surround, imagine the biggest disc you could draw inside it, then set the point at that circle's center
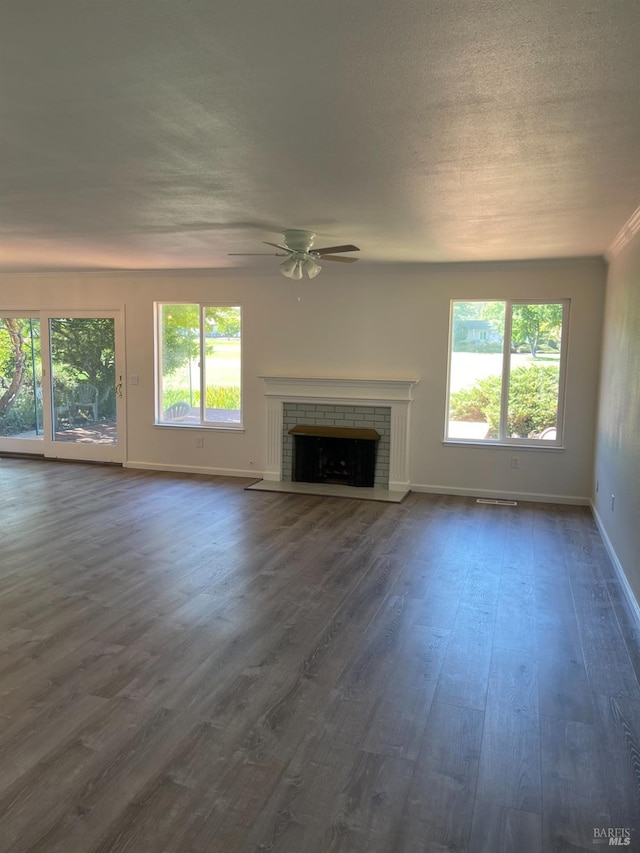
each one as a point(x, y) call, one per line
point(367, 396)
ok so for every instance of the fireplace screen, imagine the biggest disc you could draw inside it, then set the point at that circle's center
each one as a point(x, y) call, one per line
point(337, 455)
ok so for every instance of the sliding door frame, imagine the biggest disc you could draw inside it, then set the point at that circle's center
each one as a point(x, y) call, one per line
point(47, 446)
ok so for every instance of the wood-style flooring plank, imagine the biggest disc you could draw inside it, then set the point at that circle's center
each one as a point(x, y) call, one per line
point(618, 731)
point(498, 829)
point(562, 676)
point(573, 790)
point(441, 799)
point(515, 625)
point(509, 771)
point(464, 676)
point(397, 723)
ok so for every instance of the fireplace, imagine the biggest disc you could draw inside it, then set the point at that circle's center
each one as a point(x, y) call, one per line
point(365, 399)
point(336, 455)
point(329, 418)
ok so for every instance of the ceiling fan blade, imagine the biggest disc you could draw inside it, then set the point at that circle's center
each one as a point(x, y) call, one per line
point(251, 254)
point(277, 245)
point(332, 249)
point(339, 258)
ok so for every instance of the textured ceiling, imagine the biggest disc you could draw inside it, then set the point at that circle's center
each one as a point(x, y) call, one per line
point(167, 133)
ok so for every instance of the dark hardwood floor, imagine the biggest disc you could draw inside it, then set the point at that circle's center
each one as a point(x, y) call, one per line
point(187, 666)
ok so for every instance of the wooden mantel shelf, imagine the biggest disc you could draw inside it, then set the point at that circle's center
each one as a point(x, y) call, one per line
point(335, 432)
point(369, 392)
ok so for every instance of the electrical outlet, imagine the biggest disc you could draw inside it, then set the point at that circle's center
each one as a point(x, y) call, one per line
point(515, 461)
point(613, 502)
point(200, 441)
point(134, 379)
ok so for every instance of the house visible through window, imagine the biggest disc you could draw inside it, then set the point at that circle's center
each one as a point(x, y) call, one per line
point(506, 371)
point(199, 370)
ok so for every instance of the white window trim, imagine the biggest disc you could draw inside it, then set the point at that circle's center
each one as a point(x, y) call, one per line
point(554, 445)
point(220, 426)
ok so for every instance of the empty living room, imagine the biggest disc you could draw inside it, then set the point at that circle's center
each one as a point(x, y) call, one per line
point(319, 427)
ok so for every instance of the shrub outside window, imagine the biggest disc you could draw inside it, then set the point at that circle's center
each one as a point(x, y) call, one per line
point(199, 365)
point(507, 363)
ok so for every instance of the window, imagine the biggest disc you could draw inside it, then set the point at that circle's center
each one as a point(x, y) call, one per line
point(199, 367)
point(506, 371)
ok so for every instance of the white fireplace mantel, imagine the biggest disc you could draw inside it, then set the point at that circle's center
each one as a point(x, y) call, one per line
point(395, 394)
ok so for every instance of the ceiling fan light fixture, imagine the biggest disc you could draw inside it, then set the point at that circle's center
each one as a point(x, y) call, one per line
point(288, 268)
point(312, 268)
point(293, 266)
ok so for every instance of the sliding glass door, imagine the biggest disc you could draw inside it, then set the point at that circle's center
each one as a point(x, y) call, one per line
point(61, 387)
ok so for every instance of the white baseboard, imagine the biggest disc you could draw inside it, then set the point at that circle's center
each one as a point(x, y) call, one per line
point(413, 487)
point(500, 495)
point(194, 469)
point(617, 565)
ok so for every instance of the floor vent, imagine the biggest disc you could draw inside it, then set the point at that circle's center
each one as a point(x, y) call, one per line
point(494, 501)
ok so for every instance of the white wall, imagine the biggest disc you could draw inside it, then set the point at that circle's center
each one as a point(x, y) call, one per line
point(363, 321)
point(617, 467)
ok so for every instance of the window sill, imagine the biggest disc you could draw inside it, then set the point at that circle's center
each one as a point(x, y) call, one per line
point(216, 427)
point(503, 445)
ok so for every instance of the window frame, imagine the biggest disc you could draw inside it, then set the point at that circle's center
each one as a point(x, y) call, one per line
point(159, 376)
point(503, 439)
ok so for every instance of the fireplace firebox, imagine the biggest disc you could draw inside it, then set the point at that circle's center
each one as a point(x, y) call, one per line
point(336, 455)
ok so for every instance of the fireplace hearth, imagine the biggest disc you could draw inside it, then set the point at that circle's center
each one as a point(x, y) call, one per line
point(334, 455)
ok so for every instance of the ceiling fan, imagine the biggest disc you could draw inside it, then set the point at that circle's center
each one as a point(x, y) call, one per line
point(300, 254)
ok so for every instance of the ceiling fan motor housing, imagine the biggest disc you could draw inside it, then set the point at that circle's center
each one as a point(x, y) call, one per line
point(299, 241)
